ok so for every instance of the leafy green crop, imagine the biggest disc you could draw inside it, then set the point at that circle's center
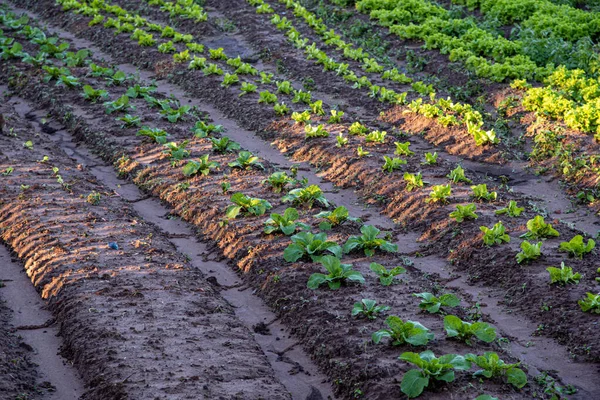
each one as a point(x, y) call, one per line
point(202, 129)
point(357, 129)
point(376, 137)
point(563, 275)
point(307, 244)
point(539, 229)
point(431, 159)
point(480, 192)
point(512, 209)
point(495, 235)
point(202, 166)
point(120, 104)
point(338, 273)
point(93, 95)
point(368, 308)
point(307, 196)
point(230, 79)
point(281, 109)
point(591, 303)
point(413, 181)
point(174, 115)
point(464, 212)
point(284, 223)
point(576, 247)
point(267, 97)
point(224, 145)
point(278, 181)
point(335, 217)
point(430, 367)
point(315, 131)
point(156, 134)
point(403, 149)
point(247, 88)
point(401, 332)
point(369, 242)
point(177, 151)
point(386, 277)
point(464, 331)
point(457, 175)
point(439, 194)
point(391, 164)
point(301, 118)
point(493, 367)
point(433, 304)
point(246, 205)
point(246, 160)
point(529, 252)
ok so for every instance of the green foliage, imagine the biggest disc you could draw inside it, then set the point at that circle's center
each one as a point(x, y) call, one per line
point(401, 332)
point(93, 95)
point(246, 205)
point(439, 194)
point(457, 175)
point(341, 140)
point(267, 97)
point(464, 212)
point(376, 137)
point(480, 192)
point(246, 160)
point(368, 308)
point(563, 275)
point(315, 131)
point(336, 117)
point(202, 166)
point(433, 304)
point(174, 115)
point(306, 196)
point(529, 252)
point(217, 54)
point(156, 134)
point(285, 223)
point(430, 367)
point(576, 246)
point(230, 79)
point(493, 367)
point(301, 118)
point(224, 145)
point(495, 235)
point(512, 210)
point(212, 69)
point(357, 129)
point(202, 129)
point(386, 277)
point(278, 180)
point(247, 88)
point(591, 303)
point(431, 159)
point(413, 181)
point(391, 164)
point(369, 242)
point(403, 149)
point(539, 229)
point(119, 105)
point(307, 244)
point(338, 273)
point(281, 109)
point(335, 218)
point(177, 151)
point(464, 331)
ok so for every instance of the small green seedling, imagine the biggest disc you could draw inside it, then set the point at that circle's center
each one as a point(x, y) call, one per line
point(368, 308)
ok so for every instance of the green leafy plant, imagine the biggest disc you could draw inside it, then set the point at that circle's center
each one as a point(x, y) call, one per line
point(386, 277)
point(315, 131)
point(464, 331)
point(248, 88)
point(431, 158)
point(202, 129)
point(224, 145)
point(529, 251)
point(246, 205)
point(391, 164)
point(306, 196)
point(361, 153)
point(284, 87)
point(439, 194)
point(430, 367)
point(129, 121)
point(493, 367)
point(480, 192)
point(278, 181)
point(495, 235)
point(285, 223)
point(413, 181)
point(336, 117)
point(174, 115)
point(369, 242)
point(217, 54)
point(376, 137)
point(512, 210)
point(401, 332)
point(211, 69)
point(338, 273)
point(93, 95)
point(246, 160)
point(202, 166)
point(403, 149)
point(307, 244)
point(230, 79)
point(177, 151)
point(368, 308)
point(464, 212)
point(433, 304)
point(591, 303)
point(341, 140)
point(538, 229)
point(267, 97)
point(357, 129)
point(335, 217)
point(576, 246)
point(563, 275)
point(118, 105)
point(156, 134)
point(457, 175)
point(301, 118)
point(281, 109)
point(117, 78)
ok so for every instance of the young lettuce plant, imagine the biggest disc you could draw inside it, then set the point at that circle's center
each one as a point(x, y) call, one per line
point(156, 134)
point(539, 229)
point(431, 158)
point(335, 218)
point(336, 117)
point(529, 252)
point(386, 277)
point(464, 212)
point(391, 164)
point(512, 210)
point(129, 121)
point(401, 332)
point(457, 175)
point(576, 247)
point(224, 145)
point(177, 151)
point(430, 367)
point(285, 223)
point(563, 275)
point(307, 244)
point(357, 129)
point(480, 192)
point(369, 242)
point(278, 181)
point(306, 196)
point(338, 273)
point(202, 129)
point(376, 137)
point(464, 331)
point(493, 367)
point(248, 88)
point(591, 303)
point(301, 118)
point(433, 304)
point(368, 308)
point(413, 181)
point(439, 194)
point(118, 105)
point(201, 166)
point(174, 115)
point(496, 235)
point(315, 131)
point(93, 95)
point(246, 160)
point(403, 149)
point(281, 109)
point(246, 205)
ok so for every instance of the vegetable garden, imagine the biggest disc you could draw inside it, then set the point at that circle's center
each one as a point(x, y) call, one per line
point(305, 199)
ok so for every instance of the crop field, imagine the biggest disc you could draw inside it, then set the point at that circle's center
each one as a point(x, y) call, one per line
point(299, 199)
